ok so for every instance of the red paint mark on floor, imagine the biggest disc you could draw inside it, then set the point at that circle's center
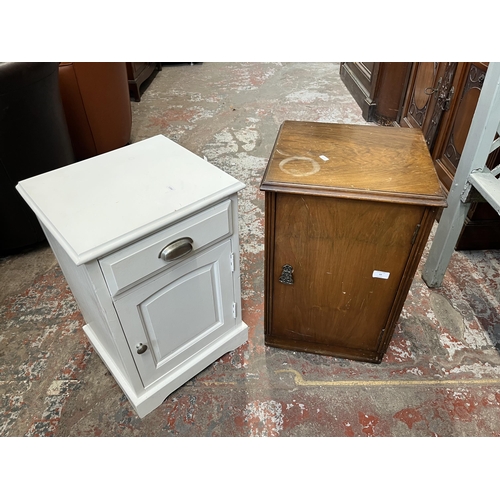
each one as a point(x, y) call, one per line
point(409, 416)
point(368, 423)
point(348, 429)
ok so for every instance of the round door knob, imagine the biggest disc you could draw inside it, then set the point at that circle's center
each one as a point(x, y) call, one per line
point(141, 348)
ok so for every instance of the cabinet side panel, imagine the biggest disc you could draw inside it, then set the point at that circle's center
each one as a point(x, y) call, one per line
point(391, 86)
point(84, 293)
point(235, 248)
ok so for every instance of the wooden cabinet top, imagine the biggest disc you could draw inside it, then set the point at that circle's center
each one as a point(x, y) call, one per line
point(98, 205)
point(353, 161)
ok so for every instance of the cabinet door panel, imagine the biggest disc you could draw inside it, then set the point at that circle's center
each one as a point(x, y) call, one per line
point(348, 258)
point(454, 133)
point(173, 304)
point(420, 101)
point(179, 312)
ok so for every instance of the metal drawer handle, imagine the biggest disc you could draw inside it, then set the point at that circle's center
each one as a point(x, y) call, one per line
point(176, 249)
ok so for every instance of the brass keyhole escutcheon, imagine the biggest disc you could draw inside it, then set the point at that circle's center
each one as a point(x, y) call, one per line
point(286, 275)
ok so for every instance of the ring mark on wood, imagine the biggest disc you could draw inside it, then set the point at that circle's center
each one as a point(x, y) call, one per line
point(298, 170)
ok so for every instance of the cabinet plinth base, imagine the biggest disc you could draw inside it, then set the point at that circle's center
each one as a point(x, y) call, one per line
point(154, 395)
point(335, 351)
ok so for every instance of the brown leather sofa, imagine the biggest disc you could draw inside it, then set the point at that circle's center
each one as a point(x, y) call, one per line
point(96, 102)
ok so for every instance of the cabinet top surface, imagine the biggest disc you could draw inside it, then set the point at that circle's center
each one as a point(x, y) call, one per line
point(97, 205)
point(355, 160)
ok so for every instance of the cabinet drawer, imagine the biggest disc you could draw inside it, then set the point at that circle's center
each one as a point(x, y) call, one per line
point(142, 259)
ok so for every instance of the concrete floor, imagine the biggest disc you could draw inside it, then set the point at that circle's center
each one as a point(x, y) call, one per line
point(441, 373)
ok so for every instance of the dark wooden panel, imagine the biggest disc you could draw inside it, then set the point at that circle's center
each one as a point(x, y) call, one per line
point(377, 87)
point(138, 73)
point(448, 149)
point(446, 130)
point(392, 80)
point(482, 226)
point(358, 79)
point(335, 300)
point(425, 79)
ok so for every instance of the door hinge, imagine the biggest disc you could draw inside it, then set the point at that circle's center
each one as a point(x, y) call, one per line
point(415, 234)
point(231, 261)
point(234, 309)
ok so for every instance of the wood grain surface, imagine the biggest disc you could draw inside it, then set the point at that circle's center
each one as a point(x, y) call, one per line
point(357, 161)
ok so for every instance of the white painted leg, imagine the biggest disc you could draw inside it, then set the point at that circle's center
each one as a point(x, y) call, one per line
point(445, 239)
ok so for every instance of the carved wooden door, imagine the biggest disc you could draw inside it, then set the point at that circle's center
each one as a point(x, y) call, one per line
point(441, 100)
point(482, 227)
point(430, 92)
point(453, 132)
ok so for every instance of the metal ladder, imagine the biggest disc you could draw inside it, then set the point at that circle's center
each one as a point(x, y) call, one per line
point(472, 177)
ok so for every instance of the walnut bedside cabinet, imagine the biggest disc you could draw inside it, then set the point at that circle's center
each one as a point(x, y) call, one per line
point(147, 238)
point(349, 209)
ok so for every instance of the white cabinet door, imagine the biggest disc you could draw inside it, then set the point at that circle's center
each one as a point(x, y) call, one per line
point(174, 315)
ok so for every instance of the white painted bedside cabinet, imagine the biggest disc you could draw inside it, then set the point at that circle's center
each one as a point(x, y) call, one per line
point(147, 238)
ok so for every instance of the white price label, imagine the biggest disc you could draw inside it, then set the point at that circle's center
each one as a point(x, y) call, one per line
point(381, 274)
